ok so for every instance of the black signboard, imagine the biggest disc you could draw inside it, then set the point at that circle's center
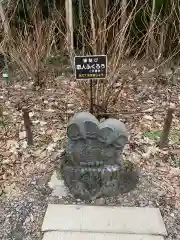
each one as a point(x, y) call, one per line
point(90, 67)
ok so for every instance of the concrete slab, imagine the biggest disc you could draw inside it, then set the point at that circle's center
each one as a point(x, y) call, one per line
point(97, 236)
point(104, 219)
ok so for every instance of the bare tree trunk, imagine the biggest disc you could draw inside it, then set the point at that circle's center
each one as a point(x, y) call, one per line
point(6, 33)
point(69, 22)
point(162, 41)
point(123, 13)
point(4, 22)
point(101, 9)
point(151, 41)
point(81, 25)
point(1, 113)
point(93, 27)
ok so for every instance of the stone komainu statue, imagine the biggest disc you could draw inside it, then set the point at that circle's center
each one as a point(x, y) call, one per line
point(92, 164)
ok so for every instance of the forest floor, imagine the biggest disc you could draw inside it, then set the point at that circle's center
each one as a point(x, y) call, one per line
point(25, 170)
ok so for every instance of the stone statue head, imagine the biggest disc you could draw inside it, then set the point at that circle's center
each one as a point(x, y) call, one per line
point(83, 125)
point(113, 132)
point(89, 140)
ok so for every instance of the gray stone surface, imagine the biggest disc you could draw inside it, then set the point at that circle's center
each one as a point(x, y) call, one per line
point(55, 235)
point(92, 142)
point(57, 185)
point(100, 219)
point(92, 164)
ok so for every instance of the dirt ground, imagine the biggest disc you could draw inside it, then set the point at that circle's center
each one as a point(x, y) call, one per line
point(26, 170)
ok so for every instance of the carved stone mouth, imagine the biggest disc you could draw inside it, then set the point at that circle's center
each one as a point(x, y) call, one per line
point(100, 168)
point(88, 183)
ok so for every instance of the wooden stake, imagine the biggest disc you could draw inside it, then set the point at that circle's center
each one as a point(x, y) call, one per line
point(166, 129)
point(27, 125)
point(1, 111)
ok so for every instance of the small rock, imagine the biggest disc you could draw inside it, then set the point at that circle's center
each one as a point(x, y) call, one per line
point(12, 143)
point(70, 105)
point(100, 201)
point(50, 110)
point(17, 235)
point(42, 123)
point(56, 138)
point(11, 190)
point(50, 147)
point(27, 220)
point(175, 171)
point(6, 161)
point(59, 191)
point(49, 132)
point(161, 193)
point(148, 117)
point(22, 135)
point(172, 215)
point(143, 203)
point(118, 85)
point(6, 154)
point(37, 153)
point(57, 186)
point(31, 217)
point(24, 145)
point(43, 154)
point(1, 191)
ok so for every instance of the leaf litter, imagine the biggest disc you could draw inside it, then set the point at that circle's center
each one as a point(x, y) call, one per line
point(25, 171)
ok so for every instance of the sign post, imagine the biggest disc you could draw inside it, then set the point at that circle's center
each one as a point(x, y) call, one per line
point(89, 68)
point(91, 97)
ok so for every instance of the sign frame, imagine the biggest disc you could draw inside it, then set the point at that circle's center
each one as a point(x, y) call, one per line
point(89, 78)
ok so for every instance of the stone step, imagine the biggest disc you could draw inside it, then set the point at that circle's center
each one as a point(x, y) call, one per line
point(55, 235)
point(104, 219)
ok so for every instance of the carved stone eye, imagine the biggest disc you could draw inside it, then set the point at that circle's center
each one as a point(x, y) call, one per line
point(73, 132)
point(120, 142)
point(91, 129)
point(83, 125)
point(105, 135)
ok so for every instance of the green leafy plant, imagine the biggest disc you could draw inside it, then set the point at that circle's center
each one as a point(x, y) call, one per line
point(155, 135)
point(4, 121)
point(152, 135)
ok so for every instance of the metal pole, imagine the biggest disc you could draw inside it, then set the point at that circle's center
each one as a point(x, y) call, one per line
point(91, 96)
